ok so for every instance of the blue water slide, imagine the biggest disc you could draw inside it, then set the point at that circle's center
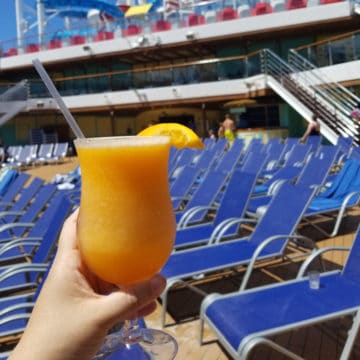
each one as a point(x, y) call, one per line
point(80, 7)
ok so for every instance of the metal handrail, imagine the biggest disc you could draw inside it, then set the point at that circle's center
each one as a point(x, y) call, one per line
point(19, 91)
point(344, 99)
point(329, 100)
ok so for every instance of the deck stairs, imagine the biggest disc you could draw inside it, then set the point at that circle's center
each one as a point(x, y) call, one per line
point(308, 90)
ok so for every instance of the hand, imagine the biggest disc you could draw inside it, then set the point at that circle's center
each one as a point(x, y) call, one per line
point(75, 309)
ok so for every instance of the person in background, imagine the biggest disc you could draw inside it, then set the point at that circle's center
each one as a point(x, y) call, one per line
point(355, 114)
point(229, 128)
point(211, 134)
point(75, 309)
point(221, 132)
point(312, 129)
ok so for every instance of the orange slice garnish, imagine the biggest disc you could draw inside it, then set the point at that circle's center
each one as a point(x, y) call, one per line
point(180, 135)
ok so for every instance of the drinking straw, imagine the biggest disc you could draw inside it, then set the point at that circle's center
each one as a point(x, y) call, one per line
point(57, 97)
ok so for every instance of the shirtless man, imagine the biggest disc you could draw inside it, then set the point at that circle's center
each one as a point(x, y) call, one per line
point(229, 128)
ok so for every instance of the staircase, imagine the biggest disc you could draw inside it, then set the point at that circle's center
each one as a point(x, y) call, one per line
point(13, 101)
point(309, 91)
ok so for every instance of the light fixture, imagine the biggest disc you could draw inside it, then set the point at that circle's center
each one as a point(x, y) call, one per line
point(175, 92)
point(39, 104)
point(190, 35)
point(249, 84)
point(88, 49)
point(142, 40)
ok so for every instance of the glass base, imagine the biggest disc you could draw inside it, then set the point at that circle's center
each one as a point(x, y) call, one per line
point(145, 344)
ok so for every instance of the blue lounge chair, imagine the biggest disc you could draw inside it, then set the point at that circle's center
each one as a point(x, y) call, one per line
point(246, 319)
point(230, 158)
point(267, 241)
point(184, 157)
point(205, 159)
point(27, 218)
point(24, 276)
point(7, 176)
point(342, 195)
point(314, 141)
point(23, 200)
point(204, 196)
point(274, 151)
point(12, 191)
point(232, 204)
point(182, 185)
point(40, 239)
point(314, 174)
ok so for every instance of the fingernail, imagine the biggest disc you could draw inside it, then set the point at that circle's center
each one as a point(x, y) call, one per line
point(157, 284)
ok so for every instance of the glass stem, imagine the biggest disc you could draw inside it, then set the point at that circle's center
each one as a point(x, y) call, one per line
point(132, 333)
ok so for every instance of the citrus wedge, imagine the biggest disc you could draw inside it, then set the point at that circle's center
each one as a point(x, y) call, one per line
point(181, 136)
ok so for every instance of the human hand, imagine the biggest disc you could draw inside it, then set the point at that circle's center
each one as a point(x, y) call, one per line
point(75, 309)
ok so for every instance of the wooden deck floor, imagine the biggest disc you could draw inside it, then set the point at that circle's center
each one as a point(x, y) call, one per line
point(317, 342)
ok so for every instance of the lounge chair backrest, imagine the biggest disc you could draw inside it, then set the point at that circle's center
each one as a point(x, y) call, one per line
point(40, 201)
point(283, 214)
point(206, 192)
point(236, 196)
point(328, 151)
point(7, 176)
point(352, 268)
point(315, 171)
point(52, 222)
point(14, 188)
point(32, 212)
point(183, 157)
point(220, 145)
point(45, 151)
point(205, 159)
point(274, 151)
point(347, 180)
point(60, 149)
point(228, 161)
point(184, 181)
point(27, 194)
point(297, 154)
point(254, 162)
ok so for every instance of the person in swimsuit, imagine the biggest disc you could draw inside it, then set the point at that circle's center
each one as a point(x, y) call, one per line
point(229, 128)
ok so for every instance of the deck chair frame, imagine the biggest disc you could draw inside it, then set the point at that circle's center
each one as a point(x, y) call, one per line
point(296, 289)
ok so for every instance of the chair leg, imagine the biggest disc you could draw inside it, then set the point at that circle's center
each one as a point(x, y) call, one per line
point(351, 337)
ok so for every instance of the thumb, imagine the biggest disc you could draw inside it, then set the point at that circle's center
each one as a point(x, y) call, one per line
point(123, 303)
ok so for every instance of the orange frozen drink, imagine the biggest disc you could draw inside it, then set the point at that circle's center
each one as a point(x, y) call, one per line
point(126, 223)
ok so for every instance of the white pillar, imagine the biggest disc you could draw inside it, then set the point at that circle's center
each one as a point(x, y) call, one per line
point(19, 25)
point(41, 21)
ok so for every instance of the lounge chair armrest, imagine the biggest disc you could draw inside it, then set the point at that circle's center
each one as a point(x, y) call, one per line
point(256, 254)
point(315, 255)
point(15, 225)
point(275, 186)
point(220, 230)
point(8, 310)
point(342, 210)
point(3, 203)
point(304, 241)
point(351, 195)
point(179, 198)
point(16, 213)
point(22, 268)
point(11, 318)
point(187, 216)
point(19, 242)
